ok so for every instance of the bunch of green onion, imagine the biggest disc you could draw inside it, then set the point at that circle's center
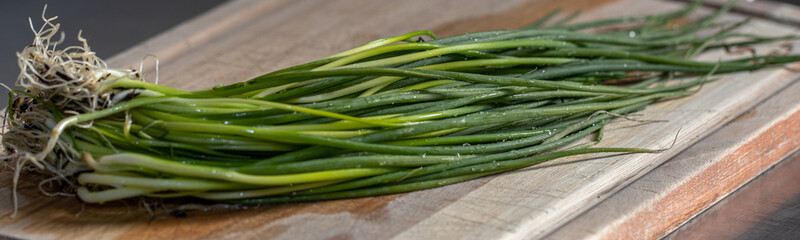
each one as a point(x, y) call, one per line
point(395, 115)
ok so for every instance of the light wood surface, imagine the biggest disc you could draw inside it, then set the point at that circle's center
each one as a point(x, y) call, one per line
point(242, 39)
point(699, 176)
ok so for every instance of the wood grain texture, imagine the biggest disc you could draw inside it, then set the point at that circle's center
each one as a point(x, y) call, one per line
point(768, 207)
point(243, 39)
point(697, 177)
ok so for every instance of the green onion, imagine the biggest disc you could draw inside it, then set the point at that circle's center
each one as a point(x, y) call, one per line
point(394, 115)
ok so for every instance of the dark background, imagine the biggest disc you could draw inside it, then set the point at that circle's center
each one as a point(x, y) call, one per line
point(109, 26)
point(113, 26)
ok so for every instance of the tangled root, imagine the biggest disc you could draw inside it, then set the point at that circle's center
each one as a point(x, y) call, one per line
point(57, 83)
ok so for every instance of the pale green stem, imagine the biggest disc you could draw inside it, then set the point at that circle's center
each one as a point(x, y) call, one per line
point(208, 172)
point(383, 42)
point(111, 194)
point(177, 184)
point(131, 83)
point(460, 48)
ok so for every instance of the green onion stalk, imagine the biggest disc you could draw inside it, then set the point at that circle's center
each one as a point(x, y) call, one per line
point(394, 115)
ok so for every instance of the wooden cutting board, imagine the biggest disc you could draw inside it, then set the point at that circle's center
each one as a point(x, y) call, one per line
point(564, 199)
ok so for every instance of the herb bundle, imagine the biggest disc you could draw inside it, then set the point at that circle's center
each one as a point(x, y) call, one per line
point(397, 114)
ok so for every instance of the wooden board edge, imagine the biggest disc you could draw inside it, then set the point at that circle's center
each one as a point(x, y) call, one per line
point(748, 213)
point(652, 207)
